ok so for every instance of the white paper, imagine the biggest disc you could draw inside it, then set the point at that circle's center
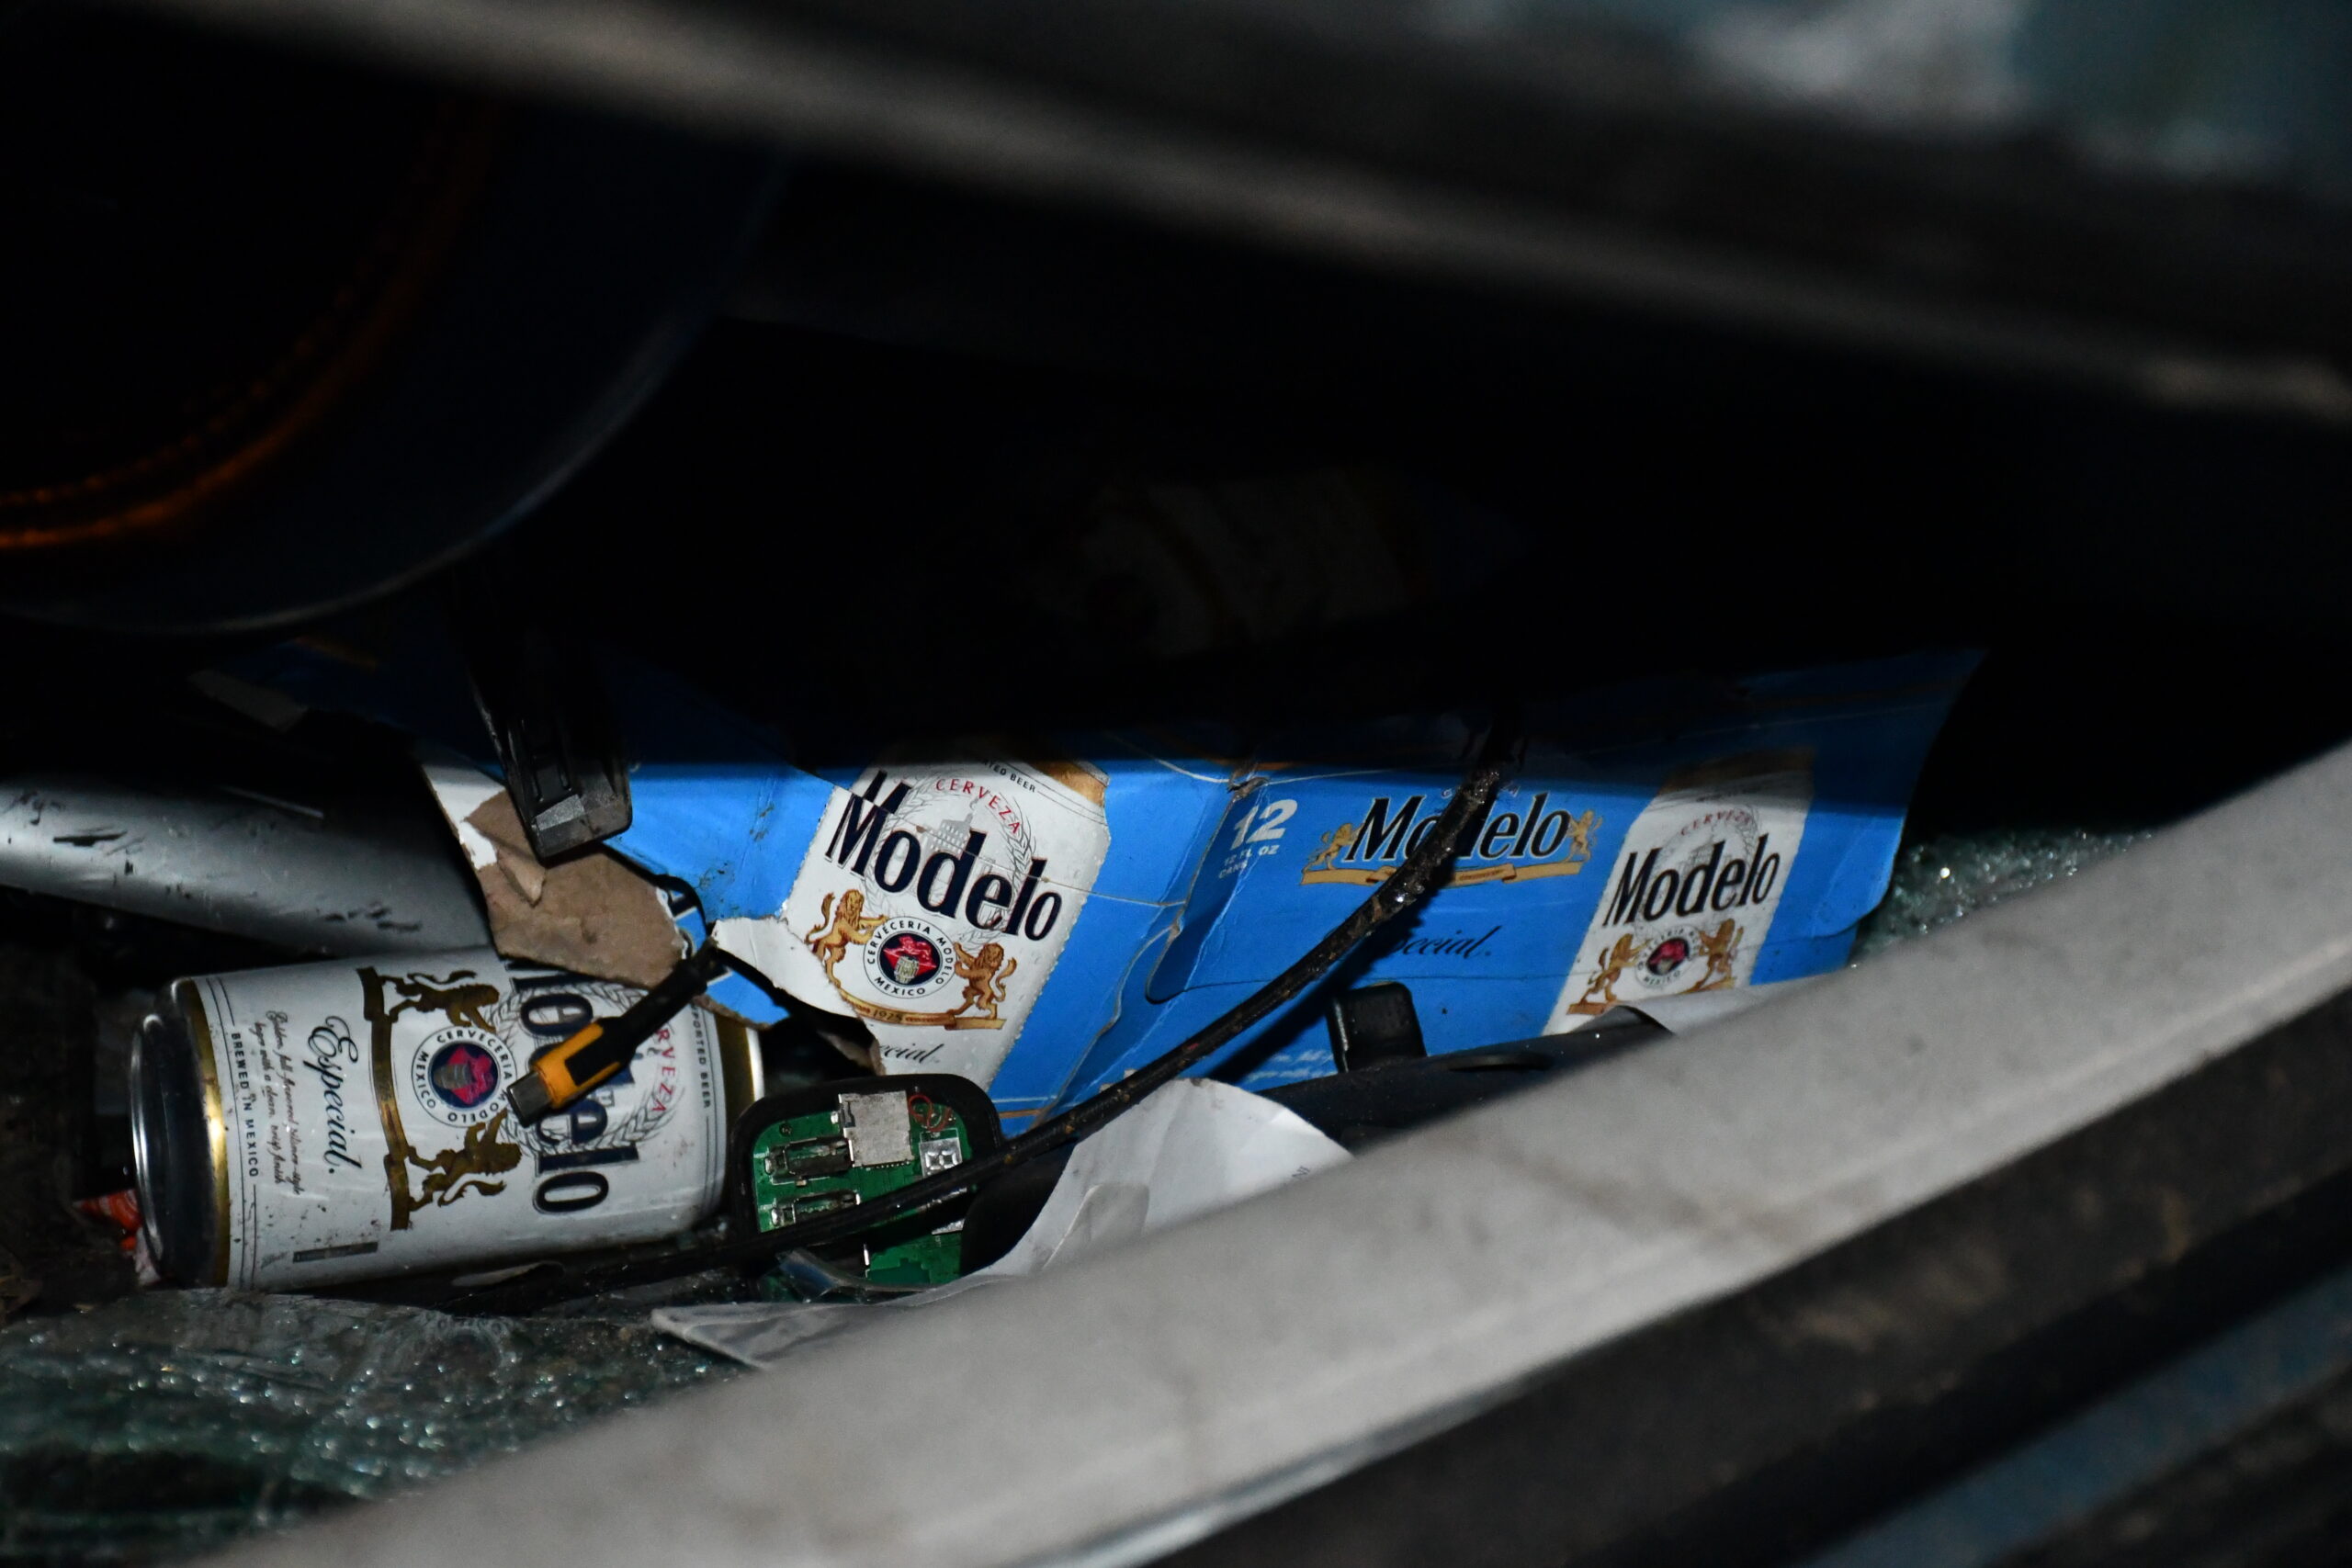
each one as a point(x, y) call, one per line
point(1192, 1146)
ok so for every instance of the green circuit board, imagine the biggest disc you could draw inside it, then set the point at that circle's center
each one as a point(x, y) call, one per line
point(868, 1146)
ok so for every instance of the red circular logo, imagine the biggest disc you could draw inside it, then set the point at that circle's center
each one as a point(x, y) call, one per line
point(909, 958)
point(1667, 957)
point(463, 1074)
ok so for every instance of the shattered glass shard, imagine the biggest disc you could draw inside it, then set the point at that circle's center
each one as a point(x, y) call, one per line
point(171, 1422)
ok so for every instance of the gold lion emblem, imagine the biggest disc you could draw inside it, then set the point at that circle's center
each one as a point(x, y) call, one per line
point(1336, 843)
point(1580, 831)
point(984, 974)
point(458, 1004)
point(1719, 950)
point(1601, 995)
point(453, 1173)
point(839, 929)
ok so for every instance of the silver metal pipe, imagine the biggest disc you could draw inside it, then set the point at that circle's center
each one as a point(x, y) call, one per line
point(327, 878)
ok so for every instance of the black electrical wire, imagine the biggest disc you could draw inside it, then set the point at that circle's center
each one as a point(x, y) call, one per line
point(1416, 875)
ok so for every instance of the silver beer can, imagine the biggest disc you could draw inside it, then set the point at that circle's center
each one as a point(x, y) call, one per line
point(325, 1123)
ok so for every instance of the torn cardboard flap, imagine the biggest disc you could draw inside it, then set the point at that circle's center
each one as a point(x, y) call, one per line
point(498, 822)
point(589, 913)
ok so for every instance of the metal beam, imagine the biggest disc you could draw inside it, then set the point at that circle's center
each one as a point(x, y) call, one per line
point(1582, 172)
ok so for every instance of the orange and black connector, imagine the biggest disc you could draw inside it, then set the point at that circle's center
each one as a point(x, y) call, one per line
point(604, 1048)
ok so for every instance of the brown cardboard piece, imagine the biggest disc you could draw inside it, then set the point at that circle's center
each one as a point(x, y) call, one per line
point(589, 912)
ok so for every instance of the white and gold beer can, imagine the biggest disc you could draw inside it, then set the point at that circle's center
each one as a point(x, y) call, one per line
point(326, 1123)
point(934, 901)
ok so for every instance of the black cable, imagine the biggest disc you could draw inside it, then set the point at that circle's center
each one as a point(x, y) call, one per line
point(1412, 881)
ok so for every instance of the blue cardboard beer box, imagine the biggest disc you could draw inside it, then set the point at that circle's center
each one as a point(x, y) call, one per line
point(1654, 841)
point(1045, 915)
